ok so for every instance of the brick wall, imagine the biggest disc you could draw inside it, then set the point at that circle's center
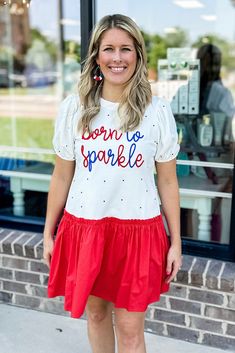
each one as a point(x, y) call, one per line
point(200, 306)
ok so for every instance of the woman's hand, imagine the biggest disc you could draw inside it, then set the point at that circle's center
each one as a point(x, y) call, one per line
point(174, 262)
point(48, 246)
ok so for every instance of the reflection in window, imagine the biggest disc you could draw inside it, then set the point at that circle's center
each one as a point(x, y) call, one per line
point(39, 65)
point(190, 51)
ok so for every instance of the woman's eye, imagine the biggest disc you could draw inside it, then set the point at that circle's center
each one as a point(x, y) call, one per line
point(123, 49)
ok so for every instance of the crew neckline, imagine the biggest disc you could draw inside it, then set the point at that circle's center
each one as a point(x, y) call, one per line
point(108, 104)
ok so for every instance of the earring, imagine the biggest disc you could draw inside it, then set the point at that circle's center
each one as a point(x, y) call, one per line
point(98, 74)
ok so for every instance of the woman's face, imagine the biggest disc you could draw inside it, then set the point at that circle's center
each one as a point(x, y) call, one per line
point(117, 57)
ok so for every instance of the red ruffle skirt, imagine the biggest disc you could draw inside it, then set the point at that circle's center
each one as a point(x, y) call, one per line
point(122, 261)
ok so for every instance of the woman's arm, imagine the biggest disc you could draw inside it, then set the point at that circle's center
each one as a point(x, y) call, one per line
point(168, 190)
point(57, 196)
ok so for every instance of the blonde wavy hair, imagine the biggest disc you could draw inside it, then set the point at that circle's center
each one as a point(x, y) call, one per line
point(137, 92)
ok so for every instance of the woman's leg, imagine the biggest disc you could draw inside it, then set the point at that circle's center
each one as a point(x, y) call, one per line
point(100, 325)
point(129, 328)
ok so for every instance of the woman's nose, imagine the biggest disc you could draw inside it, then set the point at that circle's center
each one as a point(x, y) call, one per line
point(117, 56)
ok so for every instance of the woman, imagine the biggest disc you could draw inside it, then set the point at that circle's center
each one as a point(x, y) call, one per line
point(111, 252)
point(213, 95)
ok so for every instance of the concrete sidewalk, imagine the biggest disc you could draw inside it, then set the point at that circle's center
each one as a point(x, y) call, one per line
point(26, 331)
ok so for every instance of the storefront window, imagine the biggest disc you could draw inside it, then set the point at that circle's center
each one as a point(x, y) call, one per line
point(39, 65)
point(191, 51)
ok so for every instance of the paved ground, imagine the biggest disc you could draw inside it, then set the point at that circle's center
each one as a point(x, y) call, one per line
point(26, 331)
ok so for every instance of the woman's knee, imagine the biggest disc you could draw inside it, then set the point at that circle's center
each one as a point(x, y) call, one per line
point(130, 338)
point(130, 331)
point(97, 309)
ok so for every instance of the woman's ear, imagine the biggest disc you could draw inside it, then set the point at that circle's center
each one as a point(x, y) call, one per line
point(97, 61)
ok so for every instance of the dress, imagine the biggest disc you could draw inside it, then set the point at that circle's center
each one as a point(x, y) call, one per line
point(111, 240)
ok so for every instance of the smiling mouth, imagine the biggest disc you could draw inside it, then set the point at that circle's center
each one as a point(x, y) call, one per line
point(117, 68)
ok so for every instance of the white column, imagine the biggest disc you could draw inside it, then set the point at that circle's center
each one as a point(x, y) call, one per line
point(18, 196)
point(204, 216)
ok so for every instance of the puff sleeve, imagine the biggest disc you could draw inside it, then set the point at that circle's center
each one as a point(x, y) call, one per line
point(65, 125)
point(167, 142)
